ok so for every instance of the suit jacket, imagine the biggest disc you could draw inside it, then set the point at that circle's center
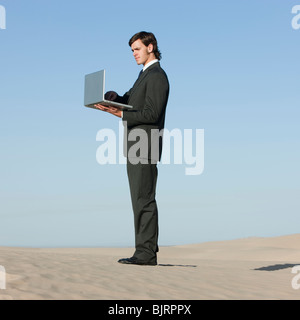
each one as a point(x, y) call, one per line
point(144, 123)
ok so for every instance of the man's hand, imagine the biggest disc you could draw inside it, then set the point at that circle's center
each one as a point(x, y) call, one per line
point(115, 111)
point(111, 95)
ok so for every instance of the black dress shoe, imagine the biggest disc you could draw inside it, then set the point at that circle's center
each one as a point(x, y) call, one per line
point(134, 260)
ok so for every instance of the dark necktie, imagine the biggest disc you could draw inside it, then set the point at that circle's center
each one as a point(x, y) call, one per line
point(140, 74)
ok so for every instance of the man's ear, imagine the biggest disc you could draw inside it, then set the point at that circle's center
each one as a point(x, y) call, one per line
point(150, 48)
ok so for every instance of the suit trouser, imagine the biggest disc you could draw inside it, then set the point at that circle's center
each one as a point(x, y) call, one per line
point(142, 182)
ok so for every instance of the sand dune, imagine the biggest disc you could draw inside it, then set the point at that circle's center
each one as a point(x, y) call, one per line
point(252, 268)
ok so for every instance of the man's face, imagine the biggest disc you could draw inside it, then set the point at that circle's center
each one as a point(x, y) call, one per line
point(141, 53)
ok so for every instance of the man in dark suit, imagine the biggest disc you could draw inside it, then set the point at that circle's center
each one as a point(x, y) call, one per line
point(144, 126)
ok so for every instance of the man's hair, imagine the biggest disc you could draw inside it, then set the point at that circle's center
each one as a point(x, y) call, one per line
point(147, 38)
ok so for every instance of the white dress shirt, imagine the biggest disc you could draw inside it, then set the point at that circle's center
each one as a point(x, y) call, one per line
point(150, 64)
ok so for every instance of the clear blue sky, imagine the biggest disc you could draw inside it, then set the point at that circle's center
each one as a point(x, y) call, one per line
point(234, 71)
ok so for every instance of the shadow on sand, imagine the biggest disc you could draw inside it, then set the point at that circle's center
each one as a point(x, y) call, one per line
point(177, 265)
point(276, 267)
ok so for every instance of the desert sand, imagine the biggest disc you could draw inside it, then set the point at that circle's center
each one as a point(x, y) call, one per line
point(247, 269)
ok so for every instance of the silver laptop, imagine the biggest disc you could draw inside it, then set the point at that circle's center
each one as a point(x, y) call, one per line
point(94, 92)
